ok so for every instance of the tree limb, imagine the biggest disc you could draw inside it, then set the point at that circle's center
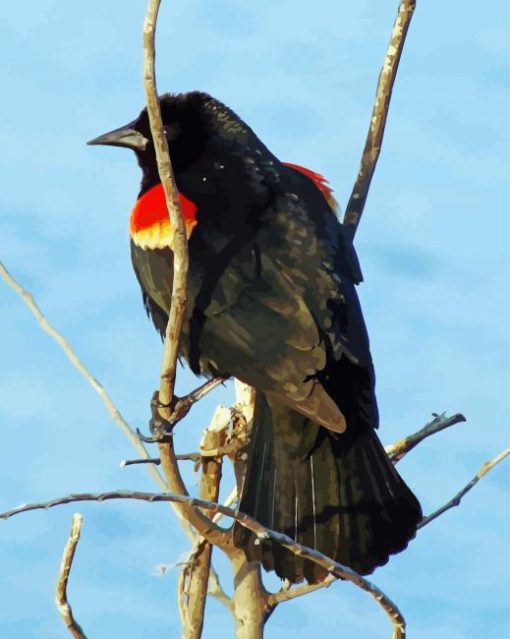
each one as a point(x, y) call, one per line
point(455, 501)
point(63, 605)
point(399, 449)
point(114, 412)
point(180, 269)
point(180, 240)
point(336, 569)
point(373, 143)
point(195, 573)
point(287, 594)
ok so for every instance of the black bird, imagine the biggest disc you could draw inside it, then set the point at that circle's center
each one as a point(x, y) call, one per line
point(272, 301)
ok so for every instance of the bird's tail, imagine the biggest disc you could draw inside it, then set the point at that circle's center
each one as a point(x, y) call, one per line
point(339, 494)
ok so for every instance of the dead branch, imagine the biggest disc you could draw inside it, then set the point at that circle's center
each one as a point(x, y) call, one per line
point(250, 598)
point(180, 243)
point(180, 269)
point(399, 449)
point(194, 457)
point(373, 143)
point(114, 412)
point(215, 590)
point(336, 569)
point(396, 452)
point(287, 594)
point(63, 605)
point(455, 501)
point(195, 574)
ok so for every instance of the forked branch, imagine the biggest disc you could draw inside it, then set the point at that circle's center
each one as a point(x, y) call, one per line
point(335, 569)
point(398, 450)
point(455, 501)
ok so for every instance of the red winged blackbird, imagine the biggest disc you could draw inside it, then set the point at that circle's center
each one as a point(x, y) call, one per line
point(272, 301)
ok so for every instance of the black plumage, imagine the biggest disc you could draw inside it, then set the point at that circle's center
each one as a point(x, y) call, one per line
point(272, 301)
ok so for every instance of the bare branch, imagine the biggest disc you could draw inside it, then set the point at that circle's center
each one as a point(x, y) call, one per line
point(180, 269)
point(335, 568)
point(114, 412)
point(192, 590)
point(250, 598)
point(455, 501)
point(117, 494)
point(387, 76)
point(287, 594)
point(194, 578)
point(194, 457)
point(63, 604)
point(180, 240)
point(399, 449)
point(215, 590)
point(232, 498)
point(395, 452)
point(204, 389)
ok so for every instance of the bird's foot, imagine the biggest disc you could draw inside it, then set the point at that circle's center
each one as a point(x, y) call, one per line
point(162, 427)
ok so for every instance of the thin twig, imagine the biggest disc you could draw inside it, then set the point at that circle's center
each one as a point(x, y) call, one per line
point(374, 139)
point(204, 389)
point(216, 591)
point(335, 568)
point(287, 594)
point(395, 452)
point(114, 412)
point(455, 501)
point(399, 449)
point(136, 495)
point(63, 605)
point(194, 457)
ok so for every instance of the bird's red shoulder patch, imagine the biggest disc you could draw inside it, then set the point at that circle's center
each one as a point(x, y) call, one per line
point(149, 224)
point(320, 182)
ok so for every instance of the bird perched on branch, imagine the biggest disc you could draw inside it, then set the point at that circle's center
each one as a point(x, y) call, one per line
point(272, 301)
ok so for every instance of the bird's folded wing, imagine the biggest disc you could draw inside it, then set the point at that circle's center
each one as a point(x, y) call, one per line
point(259, 329)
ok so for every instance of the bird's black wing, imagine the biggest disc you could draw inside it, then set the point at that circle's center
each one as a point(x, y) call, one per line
point(319, 257)
point(285, 316)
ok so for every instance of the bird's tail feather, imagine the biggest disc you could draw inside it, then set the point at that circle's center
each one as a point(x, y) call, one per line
point(339, 494)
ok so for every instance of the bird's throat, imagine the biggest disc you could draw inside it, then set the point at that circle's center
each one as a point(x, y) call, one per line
point(149, 224)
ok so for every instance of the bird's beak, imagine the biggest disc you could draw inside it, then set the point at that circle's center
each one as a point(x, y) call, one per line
point(127, 136)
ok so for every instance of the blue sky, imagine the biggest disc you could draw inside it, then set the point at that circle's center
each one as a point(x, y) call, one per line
point(433, 245)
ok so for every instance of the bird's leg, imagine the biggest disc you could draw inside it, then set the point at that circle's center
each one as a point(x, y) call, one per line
point(162, 427)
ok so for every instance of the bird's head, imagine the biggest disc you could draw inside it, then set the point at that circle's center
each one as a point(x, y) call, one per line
point(207, 143)
point(186, 122)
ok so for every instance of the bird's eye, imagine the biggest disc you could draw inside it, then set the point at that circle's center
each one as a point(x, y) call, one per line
point(171, 131)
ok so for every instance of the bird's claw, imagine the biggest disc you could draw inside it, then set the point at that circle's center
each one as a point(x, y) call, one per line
point(150, 440)
point(160, 427)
